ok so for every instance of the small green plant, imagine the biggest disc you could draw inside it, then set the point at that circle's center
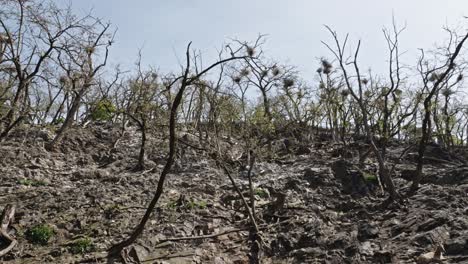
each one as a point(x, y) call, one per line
point(171, 205)
point(29, 182)
point(369, 177)
point(82, 245)
point(196, 204)
point(40, 234)
point(262, 193)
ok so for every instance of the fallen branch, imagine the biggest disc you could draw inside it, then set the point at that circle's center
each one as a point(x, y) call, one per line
point(169, 256)
point(7, 216)
point(236, 188)
point(262, 227)
point(434, 159)
point(190, 145)
point(204, 236)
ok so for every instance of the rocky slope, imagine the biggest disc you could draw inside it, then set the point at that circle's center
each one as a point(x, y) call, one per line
point(313, 207)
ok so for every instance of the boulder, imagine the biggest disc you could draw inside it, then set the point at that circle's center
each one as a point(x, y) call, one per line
point(352, 181)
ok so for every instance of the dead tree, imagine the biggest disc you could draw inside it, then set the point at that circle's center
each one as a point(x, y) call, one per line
point(391, 93)
point(432, 90)
point(142, 105)
point(338, 52)
point(261, 74)
point(79, 64)
point(30, 33)
point(184, 81)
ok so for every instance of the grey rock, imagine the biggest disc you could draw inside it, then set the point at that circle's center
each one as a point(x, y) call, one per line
point(367, 231)
point(457, 246)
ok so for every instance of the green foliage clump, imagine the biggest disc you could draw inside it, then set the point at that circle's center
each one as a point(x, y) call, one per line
point(59, 121)
point(259, 119)
point(82, 245)
point(229, 110)
point(29, 182)
point(369, 177)
point(262, 193)
point(103, 110)
point(40, 234)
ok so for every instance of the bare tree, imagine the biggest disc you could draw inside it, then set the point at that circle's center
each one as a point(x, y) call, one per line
point(263, 74)
point(31, 32)
point(338, 52)
point(183, 81)
point(142, 104)
point(77, 59)
point(433, 81)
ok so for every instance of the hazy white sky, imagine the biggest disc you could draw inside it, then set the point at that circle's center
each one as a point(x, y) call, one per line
point(294, 27)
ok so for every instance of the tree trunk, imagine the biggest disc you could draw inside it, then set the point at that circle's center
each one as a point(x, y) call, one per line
point(141, 156)
point(68, 119)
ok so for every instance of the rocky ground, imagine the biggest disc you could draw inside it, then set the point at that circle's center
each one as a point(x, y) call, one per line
point(313, 207)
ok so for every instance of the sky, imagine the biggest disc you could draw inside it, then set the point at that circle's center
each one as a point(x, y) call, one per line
point(294, 28)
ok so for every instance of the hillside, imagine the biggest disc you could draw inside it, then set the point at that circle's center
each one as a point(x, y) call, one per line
point(312, 208)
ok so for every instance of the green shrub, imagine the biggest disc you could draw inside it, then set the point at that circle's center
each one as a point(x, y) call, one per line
point(59, 121)
point(103, 110)
point(82, 245)
point(40, 234)
point(259, 119)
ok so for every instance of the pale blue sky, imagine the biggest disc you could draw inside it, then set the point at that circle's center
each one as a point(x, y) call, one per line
point(294, 27)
